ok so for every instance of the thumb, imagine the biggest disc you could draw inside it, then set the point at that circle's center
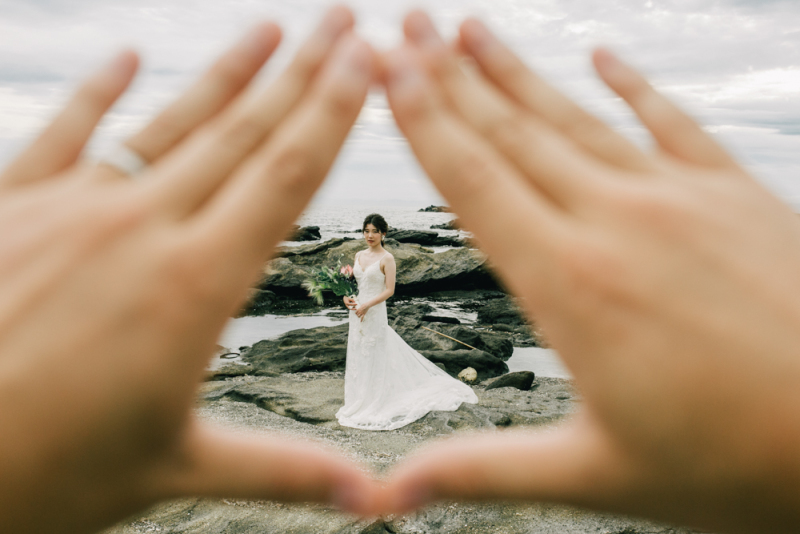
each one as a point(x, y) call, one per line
point(565, 464)
point(218, 462)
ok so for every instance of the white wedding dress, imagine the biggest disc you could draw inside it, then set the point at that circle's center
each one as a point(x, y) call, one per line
point(387, 384)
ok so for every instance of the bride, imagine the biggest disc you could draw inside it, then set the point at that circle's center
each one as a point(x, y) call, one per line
point(387, 384)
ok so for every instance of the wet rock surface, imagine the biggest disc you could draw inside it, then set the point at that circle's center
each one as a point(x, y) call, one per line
point(303, 406)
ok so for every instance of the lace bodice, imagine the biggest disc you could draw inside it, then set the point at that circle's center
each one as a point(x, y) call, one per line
point(371, 281)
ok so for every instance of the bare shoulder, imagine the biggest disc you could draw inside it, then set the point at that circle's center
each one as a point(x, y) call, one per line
point(387, 260)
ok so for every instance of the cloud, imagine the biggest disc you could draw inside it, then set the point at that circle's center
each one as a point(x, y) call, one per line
point(735, 65)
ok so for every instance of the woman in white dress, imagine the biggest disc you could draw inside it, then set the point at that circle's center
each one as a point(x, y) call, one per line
point(387, 384)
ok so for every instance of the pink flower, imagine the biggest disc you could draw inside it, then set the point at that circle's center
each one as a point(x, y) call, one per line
point(347, 271)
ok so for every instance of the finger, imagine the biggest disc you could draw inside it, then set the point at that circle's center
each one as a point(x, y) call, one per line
point(565, 465)
point(258, 205)
point(221, 463)
point(208, 157)
point(474, 178)
point(62, 142)
point(511, 75)
point(675, 132)
point(555, 163)
point(223, 81)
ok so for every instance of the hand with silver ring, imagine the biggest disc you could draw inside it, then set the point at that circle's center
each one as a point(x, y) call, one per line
point(113, 292)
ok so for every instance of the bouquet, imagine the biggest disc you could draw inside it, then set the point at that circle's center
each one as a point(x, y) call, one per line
point(339, 280)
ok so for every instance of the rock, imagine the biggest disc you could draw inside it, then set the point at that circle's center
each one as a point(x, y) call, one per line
point(312, 402)
point(468, 375)
point(397, 309)
point(419, 270)
point(500, 311)
point(449, 225)
point(312, 349)
point(440, 366)
point(306, 233)
point(439, 319)
point(435, 209)
point(423, 237)
point(496, 344)
point(521, 380)
point(454, 361)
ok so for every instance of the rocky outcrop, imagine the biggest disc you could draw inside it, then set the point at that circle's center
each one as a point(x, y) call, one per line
point(424, 339)
point(449, 225)
point(312, 349)
point(500, 311)
point(419, 270)
point(435, 209)
point(305, 233)
point(423, 237)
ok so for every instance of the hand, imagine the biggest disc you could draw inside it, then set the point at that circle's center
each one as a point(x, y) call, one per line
point(361, 310)
point(350, 303)
point(668, 282)
point(115, 290)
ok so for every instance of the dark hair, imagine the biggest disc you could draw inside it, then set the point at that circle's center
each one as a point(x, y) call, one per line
point(377, 221)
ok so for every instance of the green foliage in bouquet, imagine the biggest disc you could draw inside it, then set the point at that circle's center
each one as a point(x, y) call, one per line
point(339, 280)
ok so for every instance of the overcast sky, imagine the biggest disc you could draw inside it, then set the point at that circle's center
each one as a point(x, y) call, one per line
point(734, 64)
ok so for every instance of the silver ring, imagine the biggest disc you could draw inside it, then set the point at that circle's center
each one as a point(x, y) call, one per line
point(125, 160)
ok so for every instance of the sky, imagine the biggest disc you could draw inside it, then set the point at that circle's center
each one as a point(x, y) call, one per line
point(732, 64)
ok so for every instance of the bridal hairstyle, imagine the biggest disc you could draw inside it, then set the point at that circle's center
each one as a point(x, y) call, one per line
point(378, 222)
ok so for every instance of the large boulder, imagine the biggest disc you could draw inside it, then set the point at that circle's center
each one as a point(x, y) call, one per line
point(305, 233)
point(423, 237)
point(522, 380)
point(419, 270)
point(455, 361)
point(500, 311)
point(312, 349)
point(437, 337)
point(449, 225)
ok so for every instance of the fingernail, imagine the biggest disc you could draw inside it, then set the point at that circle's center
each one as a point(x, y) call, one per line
point(422, 30)
point(260, 37)
point(608, 63)
point(122, 63)
point(477, 35)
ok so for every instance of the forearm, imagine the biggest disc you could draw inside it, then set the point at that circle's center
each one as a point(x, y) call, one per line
point(385, 294)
